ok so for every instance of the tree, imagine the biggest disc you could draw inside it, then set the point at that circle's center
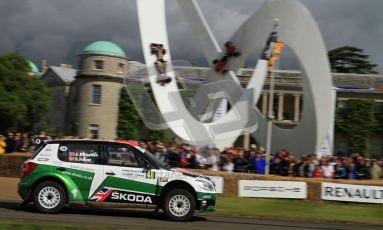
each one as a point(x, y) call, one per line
point(24, 99)
point(358, 123)
point(130, 124)
point(348, 59)
point(128, 118)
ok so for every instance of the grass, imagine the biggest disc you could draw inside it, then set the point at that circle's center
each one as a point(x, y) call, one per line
point(300, 210)
point(12, 225)
point(256, 207)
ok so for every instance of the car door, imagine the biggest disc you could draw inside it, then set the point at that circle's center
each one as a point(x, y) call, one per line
point(81, 161)
point(129, 177)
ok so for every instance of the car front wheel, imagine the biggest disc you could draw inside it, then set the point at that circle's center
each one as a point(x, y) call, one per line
point(179, 205)
point(49, 197)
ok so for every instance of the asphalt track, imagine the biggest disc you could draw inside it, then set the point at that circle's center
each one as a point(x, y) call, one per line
point(133, 219)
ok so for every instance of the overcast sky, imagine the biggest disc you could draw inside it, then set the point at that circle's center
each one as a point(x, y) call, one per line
point(58, 30)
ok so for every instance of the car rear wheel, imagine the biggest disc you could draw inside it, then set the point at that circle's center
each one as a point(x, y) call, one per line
point(179, 205)
point(49, 197)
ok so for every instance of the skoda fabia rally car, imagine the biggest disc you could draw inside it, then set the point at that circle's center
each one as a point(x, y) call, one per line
point(88, 172)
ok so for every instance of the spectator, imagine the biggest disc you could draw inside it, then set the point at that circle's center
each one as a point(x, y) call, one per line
point(172, 157)
point(183, 155)
point(376, 170)
point(240, 162)
point(192, 159)
point(296, 167)
point(228, 165)
point(200, 160)
point(318, 172)
point(160, 152)
point(328, 169)
point(3, 144)
point(212, 161)
point(276, 167)
point(352, 171)
point(362, 171)
point(25, 142)
point(340, 170)
point(285, 165)
point(259, 163)
point(9, 142)
point(17, 143)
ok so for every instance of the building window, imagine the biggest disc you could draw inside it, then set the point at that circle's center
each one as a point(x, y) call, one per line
point(98, 64)
point(94, 131)
point(96, 94)
point(120, 67)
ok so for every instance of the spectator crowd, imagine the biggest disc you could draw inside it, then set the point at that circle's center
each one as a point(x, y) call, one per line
point(253, 160)
point(282, 163)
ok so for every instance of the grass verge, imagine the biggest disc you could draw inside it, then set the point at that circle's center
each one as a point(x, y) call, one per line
point(300, 210)
point(12, 225)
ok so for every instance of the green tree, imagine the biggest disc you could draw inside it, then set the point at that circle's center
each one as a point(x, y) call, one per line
point(130, 124)
point(24, 99)
point(348, 59)
point(357, 122)
point(128, 118)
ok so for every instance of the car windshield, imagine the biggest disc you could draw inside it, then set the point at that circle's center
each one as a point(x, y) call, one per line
point(157, 162)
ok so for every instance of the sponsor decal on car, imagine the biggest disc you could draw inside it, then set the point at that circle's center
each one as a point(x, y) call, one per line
point(164, 179)
point(150, 175)
point(43, 159)
point(131, 197)
point(107, 194)
point(101, 195)
point(74, 193)
point(82, 168)
point(133, 173)
point(77, 175)
point(63, 148)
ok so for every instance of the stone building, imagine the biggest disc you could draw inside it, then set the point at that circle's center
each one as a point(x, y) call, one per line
point(86, 100)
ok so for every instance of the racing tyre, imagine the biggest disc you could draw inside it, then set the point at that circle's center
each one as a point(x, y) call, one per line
point(49, 197)
point(179, 205)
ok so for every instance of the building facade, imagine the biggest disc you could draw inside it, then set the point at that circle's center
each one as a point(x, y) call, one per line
point(85, 101)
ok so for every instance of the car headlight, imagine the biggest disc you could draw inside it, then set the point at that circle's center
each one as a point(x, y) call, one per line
point(205, 185)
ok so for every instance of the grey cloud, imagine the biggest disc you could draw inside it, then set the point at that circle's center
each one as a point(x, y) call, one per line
point(59, 30)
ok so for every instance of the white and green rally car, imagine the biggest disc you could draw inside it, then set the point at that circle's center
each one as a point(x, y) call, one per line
point(91, 172)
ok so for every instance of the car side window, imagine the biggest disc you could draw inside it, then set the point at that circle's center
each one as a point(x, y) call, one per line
point(120, 155)
point(85, 153)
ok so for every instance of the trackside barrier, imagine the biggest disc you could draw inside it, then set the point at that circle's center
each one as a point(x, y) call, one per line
point(352, 193)
point(227, 183)
point(272, 189)
point(314, 186)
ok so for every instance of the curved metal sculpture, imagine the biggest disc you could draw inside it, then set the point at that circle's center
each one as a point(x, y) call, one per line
point(297, 29)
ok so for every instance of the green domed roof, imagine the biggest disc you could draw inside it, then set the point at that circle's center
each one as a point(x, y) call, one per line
point(104, 47)
point(33, 67)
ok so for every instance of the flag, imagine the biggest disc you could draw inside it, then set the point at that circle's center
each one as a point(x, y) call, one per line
point(273, 38)
point(101, 195)
point(275, 54)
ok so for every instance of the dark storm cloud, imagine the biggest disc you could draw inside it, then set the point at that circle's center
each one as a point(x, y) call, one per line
point(58, 30)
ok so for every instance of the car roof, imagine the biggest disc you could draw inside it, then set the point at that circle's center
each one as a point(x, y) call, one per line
point(60, 141)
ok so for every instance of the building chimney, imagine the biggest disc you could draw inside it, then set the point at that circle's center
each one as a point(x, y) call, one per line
point(44, 66)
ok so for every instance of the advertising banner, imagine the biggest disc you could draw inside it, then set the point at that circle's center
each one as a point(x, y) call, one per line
point(272, 189)
point(352, 193)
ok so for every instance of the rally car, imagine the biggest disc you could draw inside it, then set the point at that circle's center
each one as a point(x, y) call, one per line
point(91, 172)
